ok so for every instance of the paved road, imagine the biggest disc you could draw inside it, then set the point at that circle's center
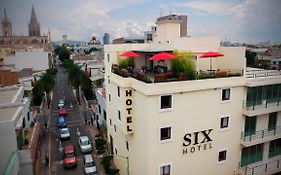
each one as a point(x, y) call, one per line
point(75, 121)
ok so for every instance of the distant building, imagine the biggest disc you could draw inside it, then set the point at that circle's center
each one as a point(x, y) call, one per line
point(106, 39)
point(64, 40)
point(128, 40)
point(34, 39)
point(148, 35)
point(275, 62)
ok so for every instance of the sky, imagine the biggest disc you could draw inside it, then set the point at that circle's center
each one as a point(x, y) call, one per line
point(249, 21)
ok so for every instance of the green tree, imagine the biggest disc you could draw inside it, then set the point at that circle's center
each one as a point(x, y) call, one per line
point(74, 78)
point(250, 58)
point(38, 93)
point(183, 63)
point(86, 86)
point(62, 52)
point(48, 83)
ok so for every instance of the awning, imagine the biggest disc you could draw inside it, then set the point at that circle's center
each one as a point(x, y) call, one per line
point(96, 77)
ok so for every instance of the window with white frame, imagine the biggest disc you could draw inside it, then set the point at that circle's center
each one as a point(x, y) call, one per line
point(166, 102)
point(165, 170)
point(224, 122)
point(222, 156)
point(165, 133)
point(109, 97)
point(225, 94)
point(108, 58)
point(114, 127)
point(108, 79)
point(110, 122)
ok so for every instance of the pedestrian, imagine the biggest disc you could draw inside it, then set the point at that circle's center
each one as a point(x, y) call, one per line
point(92, 121)
point(89, 123)
point(85, 121)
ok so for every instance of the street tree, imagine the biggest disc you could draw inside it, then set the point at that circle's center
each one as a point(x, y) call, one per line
point(48, 83)
point(74, 78)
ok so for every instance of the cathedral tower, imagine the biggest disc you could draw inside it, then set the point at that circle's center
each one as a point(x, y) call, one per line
point(6, 25)
point(34, 26)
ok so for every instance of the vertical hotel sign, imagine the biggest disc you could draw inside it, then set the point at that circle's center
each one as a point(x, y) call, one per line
point(129, 110)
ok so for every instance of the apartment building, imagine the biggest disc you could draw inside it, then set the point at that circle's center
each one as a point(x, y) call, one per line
point(226, 122)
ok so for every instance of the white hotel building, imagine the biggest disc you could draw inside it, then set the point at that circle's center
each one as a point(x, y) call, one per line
point(213, 126)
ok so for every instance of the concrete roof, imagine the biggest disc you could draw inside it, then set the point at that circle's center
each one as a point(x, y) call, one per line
point(7, 94)
point(7, 114)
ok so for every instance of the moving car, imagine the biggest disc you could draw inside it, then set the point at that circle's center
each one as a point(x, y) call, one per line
point(61, 122)
point(85, 144)
point(62, 112)
point(64, 133)
point(89, 165)
point(61, 104)
point(69, 159)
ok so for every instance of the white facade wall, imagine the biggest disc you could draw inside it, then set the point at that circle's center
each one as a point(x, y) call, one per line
point(102, 104)
point(34, 58)
point(8, 146)
point(167, 32)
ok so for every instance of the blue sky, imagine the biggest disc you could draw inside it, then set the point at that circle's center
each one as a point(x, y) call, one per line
point(233, 20)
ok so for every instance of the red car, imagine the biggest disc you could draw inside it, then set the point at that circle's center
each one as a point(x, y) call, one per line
point(70, 159)
point(62, 112)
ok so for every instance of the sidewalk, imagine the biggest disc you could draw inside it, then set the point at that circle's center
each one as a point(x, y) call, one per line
point(93, 131)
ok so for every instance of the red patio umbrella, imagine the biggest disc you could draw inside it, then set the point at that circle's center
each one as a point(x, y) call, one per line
point(210, 55)
point(129, 54)
point(162, 56)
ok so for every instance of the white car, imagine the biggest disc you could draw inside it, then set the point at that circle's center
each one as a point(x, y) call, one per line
point(85, 144)
point(61, 104)
point(89, 165)
point(64, 133)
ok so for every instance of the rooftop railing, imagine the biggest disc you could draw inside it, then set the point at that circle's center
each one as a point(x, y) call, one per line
point(262, 169)
point(260, 134)
point(263, 73)
point(153, 76)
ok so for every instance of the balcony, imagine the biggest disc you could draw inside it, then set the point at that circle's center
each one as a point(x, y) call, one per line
point(262, 169)
point(260, 107)
point(260, 136)
point(162, 74)
point(261, 77)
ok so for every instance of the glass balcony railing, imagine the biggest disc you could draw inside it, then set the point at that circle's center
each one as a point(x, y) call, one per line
point(261, 104)
point(267, 168)
point(252, 136)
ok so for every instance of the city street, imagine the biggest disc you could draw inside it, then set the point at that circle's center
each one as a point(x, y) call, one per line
point(75, 121)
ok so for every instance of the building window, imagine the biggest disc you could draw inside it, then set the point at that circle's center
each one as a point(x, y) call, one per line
point(166, 102)
point(166, 133)
point(115, 151)
point(222, 156)
point(119, 115)
point(274, 148)
point(109, 97)
point(272, 121)
point(127, 145)
point(251, 154)
point(118, 91)
point(108, 59)
point(110, 122)
point(115, 128)
point(250, 125)
point(224, 122)
point(104, 115)
point(225, 96)
point(108, 79)
point(165, 170)
point(28, 116)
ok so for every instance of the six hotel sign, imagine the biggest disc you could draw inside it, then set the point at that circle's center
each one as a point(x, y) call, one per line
point(128, 104)
point(197, 141)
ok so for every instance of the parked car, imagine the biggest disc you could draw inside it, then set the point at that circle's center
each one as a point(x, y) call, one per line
point(61, 122)
point(69, 159)
point(62, 112)
point(64, 133)
point(89, 165)
point(61, 103)
point(85, 144)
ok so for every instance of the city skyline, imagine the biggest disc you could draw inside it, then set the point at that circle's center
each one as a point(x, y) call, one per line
point(248, 21)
